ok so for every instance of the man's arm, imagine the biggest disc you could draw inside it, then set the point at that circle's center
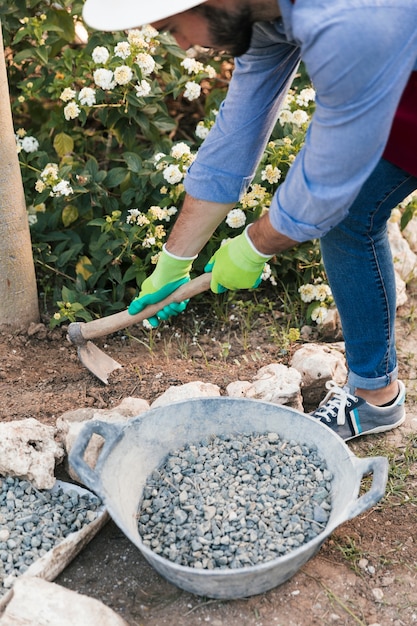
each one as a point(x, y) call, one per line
point(195, 224)
point(198, 219)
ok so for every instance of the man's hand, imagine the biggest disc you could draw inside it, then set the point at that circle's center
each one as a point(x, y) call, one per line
point(236, 265)
point(170, 273)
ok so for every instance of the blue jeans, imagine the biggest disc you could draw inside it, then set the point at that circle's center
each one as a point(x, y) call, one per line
point(359, 266)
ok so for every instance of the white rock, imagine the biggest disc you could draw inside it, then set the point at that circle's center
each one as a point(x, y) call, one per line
point(28, 449)
point(238, 388)
point(410, 234)
point(378, 594)
point(278, 384)
point(40, 603)
point(71, 423)
point(317, 364)
point(405, 260)
point(194, 389)
point(401, 290)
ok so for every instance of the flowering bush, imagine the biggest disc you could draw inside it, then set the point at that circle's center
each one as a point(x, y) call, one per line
point(106, 127)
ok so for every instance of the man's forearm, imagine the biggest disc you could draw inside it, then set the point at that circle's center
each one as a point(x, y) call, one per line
point(266, 239)
point(195, 225)
point(198, 220)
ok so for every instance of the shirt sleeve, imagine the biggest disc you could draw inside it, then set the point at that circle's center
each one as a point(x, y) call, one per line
point(227, 160)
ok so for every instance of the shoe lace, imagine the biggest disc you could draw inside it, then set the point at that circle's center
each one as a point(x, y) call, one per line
point(334, 404)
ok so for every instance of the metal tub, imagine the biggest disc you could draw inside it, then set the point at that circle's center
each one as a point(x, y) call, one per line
point(132, 451)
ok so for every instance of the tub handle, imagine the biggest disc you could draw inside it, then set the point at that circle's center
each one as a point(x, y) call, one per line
point(111, 433)
point(378, 466)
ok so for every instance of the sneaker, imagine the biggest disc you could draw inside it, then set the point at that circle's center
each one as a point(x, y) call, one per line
point(350, 416)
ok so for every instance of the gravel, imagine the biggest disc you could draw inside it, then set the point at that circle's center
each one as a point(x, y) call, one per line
point(235, 501)
point(33, 522)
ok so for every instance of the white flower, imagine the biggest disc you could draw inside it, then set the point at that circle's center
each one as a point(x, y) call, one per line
point(133, 214)
point(146, 63)
point(172, 174)
point(32, 219)
point(67, 94)
point(285, 117)
point(29, 144)
point(299, 117)
point(137, 217)
point(100, 54)
point(307, 293)
point(323, 292)
point(158, 156)
point(210, 71)
point(172, 211)
point(319, 314)
point(192, 66)
point(271, 174)
point(192, 90)
point(40, 186)
point(288, 100)
point(305, 96)
point(149, 32)
point(266, 272)
point(122, 49)
point(50, 171)
point(63, 188)
point(123, 74)
point(87, 96)
point(143, 89)
point(236, 218)
point(136, 38)
point(104, 78)
point(148, 242)
point(201, 130)
point(157, 212)
point(180, 149)
point(71, 111)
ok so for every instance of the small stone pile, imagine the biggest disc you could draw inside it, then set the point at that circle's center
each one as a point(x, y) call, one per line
point(235, 501)
point(32, 522)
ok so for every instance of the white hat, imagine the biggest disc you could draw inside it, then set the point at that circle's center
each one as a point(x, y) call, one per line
point(112, 15)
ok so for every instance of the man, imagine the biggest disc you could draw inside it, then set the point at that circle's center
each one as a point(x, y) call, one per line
point(358, 162)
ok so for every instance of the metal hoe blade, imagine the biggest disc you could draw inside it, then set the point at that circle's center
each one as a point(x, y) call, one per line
point(98, 362)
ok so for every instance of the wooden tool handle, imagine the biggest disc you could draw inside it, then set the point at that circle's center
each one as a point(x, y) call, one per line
point(80, 332)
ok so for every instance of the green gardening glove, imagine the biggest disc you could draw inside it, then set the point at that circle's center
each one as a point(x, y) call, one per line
point(236, 265)
point(170, 273)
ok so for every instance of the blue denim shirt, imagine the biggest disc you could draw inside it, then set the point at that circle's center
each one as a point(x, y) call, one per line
point(359, 55)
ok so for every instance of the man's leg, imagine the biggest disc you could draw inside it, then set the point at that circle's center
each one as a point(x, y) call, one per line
point(359, 266)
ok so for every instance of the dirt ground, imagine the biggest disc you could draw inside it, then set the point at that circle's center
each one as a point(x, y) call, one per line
point(365, 574)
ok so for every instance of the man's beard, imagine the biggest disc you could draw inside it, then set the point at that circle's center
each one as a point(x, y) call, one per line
point(230, 32)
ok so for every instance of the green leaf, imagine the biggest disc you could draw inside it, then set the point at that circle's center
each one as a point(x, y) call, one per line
point(69, 214)
point(63, 144)
point(116, 176)
point(42, 53)
point(23, 55)
point(133, 161)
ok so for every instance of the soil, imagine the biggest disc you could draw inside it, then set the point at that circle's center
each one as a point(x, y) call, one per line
point(365, 573)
